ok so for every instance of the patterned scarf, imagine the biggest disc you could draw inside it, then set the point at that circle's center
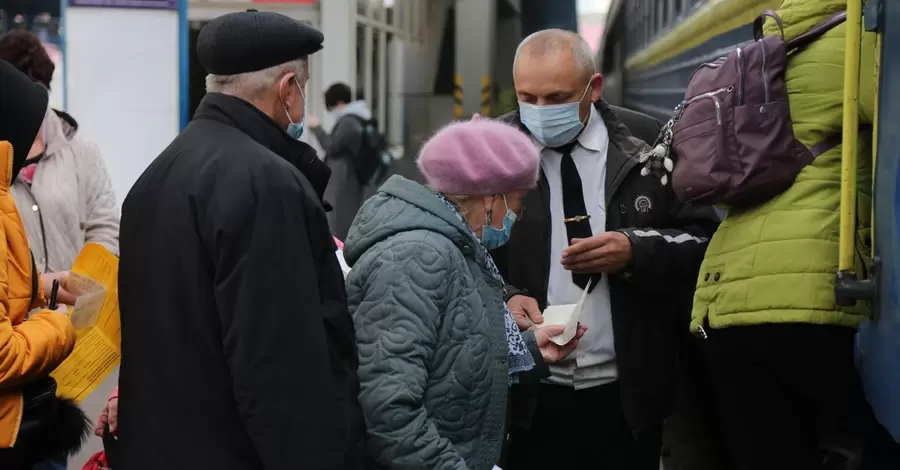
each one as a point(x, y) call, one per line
point(520, 359)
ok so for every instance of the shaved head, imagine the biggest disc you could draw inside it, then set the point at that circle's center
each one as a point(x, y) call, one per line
point(552, 42)
point(556, 67)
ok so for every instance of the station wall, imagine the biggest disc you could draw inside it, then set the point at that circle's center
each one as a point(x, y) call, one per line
point(124, 81)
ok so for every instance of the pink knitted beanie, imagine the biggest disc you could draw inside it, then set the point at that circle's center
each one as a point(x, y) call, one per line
point(479, 158)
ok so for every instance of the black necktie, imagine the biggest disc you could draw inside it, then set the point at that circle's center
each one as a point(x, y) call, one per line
point(578, 222)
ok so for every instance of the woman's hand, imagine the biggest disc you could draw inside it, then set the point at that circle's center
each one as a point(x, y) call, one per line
point(63, 296)
point(109, 415)
point(552, 352)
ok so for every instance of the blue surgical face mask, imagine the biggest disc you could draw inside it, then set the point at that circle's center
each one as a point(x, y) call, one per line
point(493, 238)
point(295, 129)
point(553, 125)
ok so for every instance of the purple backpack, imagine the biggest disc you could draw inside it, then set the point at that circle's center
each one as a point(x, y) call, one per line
point(732, 136)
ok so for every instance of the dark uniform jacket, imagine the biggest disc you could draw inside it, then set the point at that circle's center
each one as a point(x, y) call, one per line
point(651, 299)
point(238, 350)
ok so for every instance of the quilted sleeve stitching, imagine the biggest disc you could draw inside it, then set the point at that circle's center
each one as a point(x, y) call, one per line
point(396, 300)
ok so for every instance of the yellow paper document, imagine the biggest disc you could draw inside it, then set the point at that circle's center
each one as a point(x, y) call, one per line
point(94, 277)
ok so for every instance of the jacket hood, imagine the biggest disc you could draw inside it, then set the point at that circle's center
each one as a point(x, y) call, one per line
point(69, 124)
point(402, 205)
point(357, 108)
point(59, 129)
point(23, 105)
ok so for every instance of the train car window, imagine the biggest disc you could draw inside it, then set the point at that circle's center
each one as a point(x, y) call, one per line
point(660, 17)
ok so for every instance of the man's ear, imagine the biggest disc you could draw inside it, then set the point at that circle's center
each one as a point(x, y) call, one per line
point(284, 89)
point(596, 87)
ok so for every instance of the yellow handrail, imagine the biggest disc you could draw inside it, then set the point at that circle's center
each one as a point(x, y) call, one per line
point(850, 136)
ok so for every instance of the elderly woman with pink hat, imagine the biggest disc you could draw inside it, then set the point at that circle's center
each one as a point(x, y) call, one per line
point(438, 348)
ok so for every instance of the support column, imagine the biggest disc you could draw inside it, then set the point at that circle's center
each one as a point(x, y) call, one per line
point(476, 22)
point(396, 90)
point(338, 64)
point(508, 37)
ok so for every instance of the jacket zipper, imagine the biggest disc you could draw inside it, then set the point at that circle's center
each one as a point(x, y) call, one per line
point(545, 200)
point(40, 214)
point(15, 436)
point(740, 67)
point(711, 95)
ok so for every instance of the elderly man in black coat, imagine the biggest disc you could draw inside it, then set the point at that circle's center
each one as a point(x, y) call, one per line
point(238, 351)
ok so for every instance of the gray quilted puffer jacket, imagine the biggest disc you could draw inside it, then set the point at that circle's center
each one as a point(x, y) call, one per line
point(430, 331)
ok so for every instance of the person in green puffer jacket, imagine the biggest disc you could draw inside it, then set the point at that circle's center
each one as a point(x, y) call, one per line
point(781, 351)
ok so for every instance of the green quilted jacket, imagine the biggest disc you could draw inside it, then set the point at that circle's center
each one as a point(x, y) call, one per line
point(776, 263)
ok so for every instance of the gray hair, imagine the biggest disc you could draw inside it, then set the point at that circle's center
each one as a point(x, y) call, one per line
point(463, 203)
point(249, 85)
point(551, 41)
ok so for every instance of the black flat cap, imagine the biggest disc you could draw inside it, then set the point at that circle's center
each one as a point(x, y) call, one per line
point(252, 40)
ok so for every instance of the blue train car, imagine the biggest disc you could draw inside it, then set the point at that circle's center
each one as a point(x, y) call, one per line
point(879, 342)
point(651, 47)
point(650, 50)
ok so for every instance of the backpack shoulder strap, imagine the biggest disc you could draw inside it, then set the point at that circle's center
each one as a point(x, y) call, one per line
point(816, 31)
point(834, 140)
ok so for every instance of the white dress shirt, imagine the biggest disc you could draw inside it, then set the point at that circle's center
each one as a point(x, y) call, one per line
point(593, 362)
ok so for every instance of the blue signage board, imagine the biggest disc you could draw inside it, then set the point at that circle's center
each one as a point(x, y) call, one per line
point(157, 4)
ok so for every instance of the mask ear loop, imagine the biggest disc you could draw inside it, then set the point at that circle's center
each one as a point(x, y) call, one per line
point(283, 104)
point(584, 123)
point(302, 93)
point(586, 89)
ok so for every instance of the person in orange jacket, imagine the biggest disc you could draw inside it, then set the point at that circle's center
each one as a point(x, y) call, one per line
point(34, 340)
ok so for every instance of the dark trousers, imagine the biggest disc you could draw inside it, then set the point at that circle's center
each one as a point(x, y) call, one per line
point(692, 437)
point(789, 397)
point(581, 429)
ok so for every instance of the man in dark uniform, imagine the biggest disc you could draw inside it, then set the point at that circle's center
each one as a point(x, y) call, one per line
point(238, 351)
point(595, 229)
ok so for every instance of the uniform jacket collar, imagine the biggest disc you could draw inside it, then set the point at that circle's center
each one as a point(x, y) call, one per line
point(261, 128)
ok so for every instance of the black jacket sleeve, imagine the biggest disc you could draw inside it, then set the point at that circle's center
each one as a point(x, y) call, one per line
point(668, 256)
point(273, 335)
point(671, 256)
